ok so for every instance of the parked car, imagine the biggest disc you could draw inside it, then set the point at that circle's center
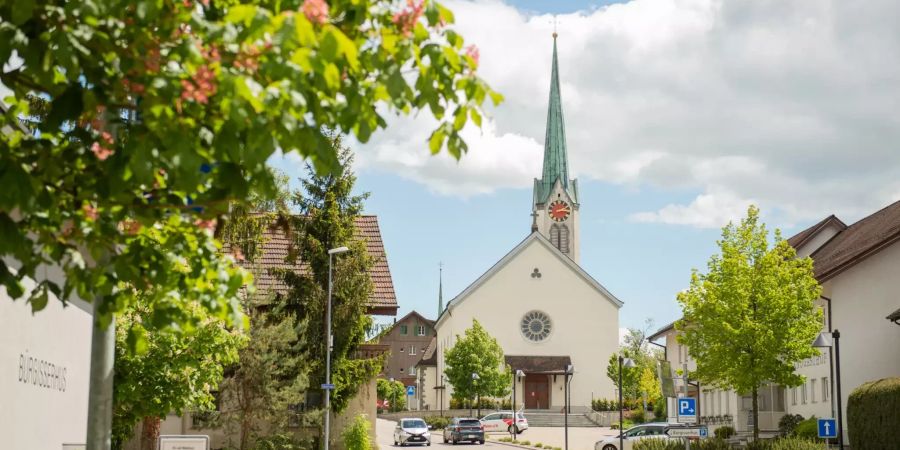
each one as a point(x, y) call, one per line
point(652, 430)
point(464, 429)
point(411, 431)
point(502, 421)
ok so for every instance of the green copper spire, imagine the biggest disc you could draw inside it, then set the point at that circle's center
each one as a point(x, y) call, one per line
point(556, 158)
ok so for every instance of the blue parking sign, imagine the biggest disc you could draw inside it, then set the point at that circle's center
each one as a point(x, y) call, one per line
point(827, 428)
point(687, 409)
point(410, 391)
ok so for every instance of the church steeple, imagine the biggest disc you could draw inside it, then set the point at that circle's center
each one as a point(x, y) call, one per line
point(556, 202)
point(556, 157)
point(440, 289)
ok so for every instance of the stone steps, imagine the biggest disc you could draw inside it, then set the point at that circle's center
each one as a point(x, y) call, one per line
point(548, 419)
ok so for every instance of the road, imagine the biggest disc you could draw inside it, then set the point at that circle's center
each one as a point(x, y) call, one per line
point(579, 438)
point(385, 432)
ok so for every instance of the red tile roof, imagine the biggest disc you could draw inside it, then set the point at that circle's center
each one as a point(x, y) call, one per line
point(273, 254)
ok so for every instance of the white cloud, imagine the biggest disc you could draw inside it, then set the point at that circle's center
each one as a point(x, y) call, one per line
point(790, 104)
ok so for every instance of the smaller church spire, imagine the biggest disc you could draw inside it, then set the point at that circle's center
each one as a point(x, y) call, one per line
point(440, 288)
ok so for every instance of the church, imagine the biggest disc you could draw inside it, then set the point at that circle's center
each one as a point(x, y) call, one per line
point(545, 311)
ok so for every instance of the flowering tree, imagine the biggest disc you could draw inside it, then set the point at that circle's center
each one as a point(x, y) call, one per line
point(144, 120)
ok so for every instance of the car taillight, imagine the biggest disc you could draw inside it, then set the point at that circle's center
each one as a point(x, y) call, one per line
point(482, 427)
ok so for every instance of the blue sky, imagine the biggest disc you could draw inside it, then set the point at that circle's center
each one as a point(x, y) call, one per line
point(678, 115)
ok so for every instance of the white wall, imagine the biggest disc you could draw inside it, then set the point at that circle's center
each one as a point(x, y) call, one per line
point(44, 372)
point(585, 323)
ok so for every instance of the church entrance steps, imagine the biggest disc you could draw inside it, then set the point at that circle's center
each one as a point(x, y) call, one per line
point(556, 419)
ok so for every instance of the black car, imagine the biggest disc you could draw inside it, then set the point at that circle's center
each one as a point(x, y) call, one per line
point(463, 429)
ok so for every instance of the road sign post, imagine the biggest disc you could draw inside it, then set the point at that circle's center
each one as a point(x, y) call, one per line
point(686, 408)
point(687, 432)
point(827, 428)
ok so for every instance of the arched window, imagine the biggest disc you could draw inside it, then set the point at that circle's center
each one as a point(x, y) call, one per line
point(563, 239)
point(554, 235)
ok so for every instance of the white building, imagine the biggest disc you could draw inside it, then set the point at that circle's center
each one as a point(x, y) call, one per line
point(544, 310)
point(858, 267)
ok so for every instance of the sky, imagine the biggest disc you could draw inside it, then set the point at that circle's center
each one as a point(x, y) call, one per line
point(679, 114)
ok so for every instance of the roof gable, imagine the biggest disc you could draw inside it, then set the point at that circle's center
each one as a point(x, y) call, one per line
point(538, 239)
point(857, 242)
point(413, 315)
point(273, 256)
point(800, 239)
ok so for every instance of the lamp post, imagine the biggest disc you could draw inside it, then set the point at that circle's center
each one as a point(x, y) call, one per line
point(442, 395)
point(627, 362)
point(570, 369)
point(515, 415)
point(330, 340)
point(823, 341)
point(475, 378)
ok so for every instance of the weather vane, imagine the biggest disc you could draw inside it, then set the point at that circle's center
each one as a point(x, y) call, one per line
point(555, 23)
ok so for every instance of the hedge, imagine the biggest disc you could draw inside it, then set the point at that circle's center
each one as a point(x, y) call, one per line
point(873, 415)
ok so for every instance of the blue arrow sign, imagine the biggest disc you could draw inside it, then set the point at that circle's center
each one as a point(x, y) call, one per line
point(827, 428)
point(687, 409)
point(410, 390)
point(328, 386)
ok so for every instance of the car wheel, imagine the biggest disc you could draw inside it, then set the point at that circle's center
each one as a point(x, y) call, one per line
point(513, 429)
point(481, 442)
point(609, 447)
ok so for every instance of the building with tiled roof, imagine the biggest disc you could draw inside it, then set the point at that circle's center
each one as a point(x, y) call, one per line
point(858, 267)
point(273, 257)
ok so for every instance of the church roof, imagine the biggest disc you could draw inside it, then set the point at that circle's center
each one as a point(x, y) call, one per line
point(538, 364)
point(534, 236)
point(556, 158)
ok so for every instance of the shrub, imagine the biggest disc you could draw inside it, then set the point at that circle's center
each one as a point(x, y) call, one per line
point(539, 445)
point(525, 442)
point(279, 442)
point(792, 443)
point(659, 409)
point(356, 436)
point(637, 416)
point(788, 424)
point(759, 444)
point(807, 429)
point(724, 432)
point(438, 422)
point(873, 415)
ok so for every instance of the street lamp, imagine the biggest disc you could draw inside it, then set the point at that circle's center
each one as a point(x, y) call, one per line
point(327, 386)
point(823, 341)
point(570, 369)
point(629, 363)
point(515, 426)
point(475, 378)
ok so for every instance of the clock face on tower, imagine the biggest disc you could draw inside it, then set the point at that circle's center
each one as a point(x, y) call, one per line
point(559, 210)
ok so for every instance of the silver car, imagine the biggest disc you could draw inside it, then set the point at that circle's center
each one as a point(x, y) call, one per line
point(411, 431)
point(653, 430)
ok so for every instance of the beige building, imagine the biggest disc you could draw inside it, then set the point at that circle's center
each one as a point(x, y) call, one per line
point(545, 311)
point(858, 267)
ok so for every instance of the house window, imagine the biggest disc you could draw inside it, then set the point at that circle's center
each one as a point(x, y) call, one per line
point(803, 394)
point(826, 388)
point(728, 402)
point(420, 330)
point(412, 350)
point(403, 330)
point(794, 395)
point(412, 370)
point(812, 390)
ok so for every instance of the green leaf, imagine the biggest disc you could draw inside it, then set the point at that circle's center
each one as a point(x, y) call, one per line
point(436, 141)
point(66, 107)
point(332, 77)
point(39, 299)
point(22, 11)
point(241, 14)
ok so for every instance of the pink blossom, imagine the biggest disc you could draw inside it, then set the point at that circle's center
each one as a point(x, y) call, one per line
point(206, 224)
point(100, 151)
point(316, 11)
point(472, 52)
point(90, 211)
point(407, 18)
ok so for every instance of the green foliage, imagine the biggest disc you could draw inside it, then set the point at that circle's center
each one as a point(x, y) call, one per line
point(659, 409)
point(792, 443)
point(630, 376)
point(678, 444)
point(438, 422)
point(356, 436)
point(171, 370)
point(280, 442)
point(392, 391)
point(171, 109)
point(788, 423)
point(807, 429)
point(328, 210)
point(724, 432)
point(479, 353)
point(873, 412)
point(637, 416)
point(751, 317)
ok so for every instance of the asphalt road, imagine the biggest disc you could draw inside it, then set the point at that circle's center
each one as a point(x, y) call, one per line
point(384, 430)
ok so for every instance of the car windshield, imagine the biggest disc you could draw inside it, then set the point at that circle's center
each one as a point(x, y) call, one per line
point(470, 423)
point(414, 423)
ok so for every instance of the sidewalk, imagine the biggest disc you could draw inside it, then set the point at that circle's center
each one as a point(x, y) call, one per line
point(579, 438)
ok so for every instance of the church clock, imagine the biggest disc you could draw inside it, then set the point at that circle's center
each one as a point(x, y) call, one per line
point(559, 210)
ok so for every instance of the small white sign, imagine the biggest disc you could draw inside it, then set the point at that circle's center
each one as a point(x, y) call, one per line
point(74, 447)
point(189, 442)
point(686, 432)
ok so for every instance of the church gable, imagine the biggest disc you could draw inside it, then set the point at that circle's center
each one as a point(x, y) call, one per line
point(537, 253)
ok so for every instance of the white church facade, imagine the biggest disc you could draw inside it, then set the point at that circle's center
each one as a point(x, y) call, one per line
point(545, 311)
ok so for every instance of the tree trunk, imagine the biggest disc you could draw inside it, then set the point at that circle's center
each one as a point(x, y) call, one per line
point(149, 433)
point(755, 413)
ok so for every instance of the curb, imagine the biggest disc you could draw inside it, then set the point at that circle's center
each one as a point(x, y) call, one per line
point(510, 444)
